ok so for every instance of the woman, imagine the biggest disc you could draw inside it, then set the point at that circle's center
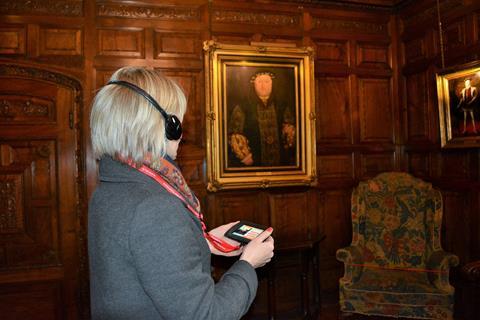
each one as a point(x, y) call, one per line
point(148, 248)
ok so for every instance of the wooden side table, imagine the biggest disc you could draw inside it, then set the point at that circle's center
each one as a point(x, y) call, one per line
point(310, 256)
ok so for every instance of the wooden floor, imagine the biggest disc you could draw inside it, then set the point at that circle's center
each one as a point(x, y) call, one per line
point(332, 312)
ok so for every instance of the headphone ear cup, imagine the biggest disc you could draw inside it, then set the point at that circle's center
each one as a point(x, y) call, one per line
point(173, 127)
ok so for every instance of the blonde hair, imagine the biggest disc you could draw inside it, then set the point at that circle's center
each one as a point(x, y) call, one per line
point(125, 125)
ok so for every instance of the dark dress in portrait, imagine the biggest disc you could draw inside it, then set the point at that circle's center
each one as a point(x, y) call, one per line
point(261, 123)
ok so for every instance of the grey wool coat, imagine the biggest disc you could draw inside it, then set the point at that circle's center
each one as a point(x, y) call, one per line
point(148, 257)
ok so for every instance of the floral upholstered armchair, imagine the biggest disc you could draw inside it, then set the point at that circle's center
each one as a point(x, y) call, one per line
point(395, 265)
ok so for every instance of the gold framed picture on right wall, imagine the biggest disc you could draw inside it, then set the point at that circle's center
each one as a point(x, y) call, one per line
point(458, 91)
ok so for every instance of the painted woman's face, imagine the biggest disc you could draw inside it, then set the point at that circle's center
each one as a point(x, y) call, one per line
point(263, 85)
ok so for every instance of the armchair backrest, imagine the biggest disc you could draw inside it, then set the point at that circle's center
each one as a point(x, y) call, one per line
point(396, 220)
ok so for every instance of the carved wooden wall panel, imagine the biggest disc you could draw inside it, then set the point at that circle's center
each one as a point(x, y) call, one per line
point(60, 41)
point(11, 219)
point(38, 230)
point(42, 7)
point(102, 76)
point(333, 110)
point(28, 193)
point(191, 83)
point(335, 166)
point(141, 10)
point(373, 55)
point(418, 107)
point(335, 223)
point(456, 222)
point(454, 166)
point(291, 217)
point(415, 49)
point(234, 38)
point(373, 164)
point(232, 207)
point(40, 301)
point(328, 51)
point(348, 25)
point(476, 23)
point(474, 204)
point(43, 42)
point(279, 22)
point(121, 43)
point(26, 109)
point(12, 40)
point(419, 164)
point(454, 36)
point(375, 110)
point(255, 17)
point(192, 170)
point(177, 45)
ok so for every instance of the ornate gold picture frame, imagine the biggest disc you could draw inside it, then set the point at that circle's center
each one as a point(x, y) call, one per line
point(260, 116)
point(458, 92)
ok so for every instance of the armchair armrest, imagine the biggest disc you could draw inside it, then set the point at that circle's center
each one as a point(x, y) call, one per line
point(439, 265)
point(471, 272)
point(352, 258)
point(350, 254)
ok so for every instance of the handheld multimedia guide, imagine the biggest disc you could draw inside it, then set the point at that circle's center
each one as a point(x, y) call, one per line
point(245, 231)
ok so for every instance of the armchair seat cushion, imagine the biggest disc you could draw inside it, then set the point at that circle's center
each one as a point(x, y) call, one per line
point(395, 281)
point(396, 293)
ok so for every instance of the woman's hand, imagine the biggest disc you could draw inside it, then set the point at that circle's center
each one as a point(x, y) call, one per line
point(219, 233)
point(259, 251)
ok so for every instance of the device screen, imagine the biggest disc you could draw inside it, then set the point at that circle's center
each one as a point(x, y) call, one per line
point(247, 231)
point(244, 231)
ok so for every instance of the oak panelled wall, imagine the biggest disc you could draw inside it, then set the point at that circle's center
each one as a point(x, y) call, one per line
point(375, 106)
point(456, 172)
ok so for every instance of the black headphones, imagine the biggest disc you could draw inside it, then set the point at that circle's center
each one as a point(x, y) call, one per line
point(173, 126)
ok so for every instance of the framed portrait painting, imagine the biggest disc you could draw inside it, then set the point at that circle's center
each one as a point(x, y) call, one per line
point(260, 116)
point(458, 92)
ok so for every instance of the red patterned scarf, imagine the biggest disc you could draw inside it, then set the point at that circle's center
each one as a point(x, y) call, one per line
point(168, 175)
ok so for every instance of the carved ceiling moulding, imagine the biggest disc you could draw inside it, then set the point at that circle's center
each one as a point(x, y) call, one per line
point(347, 25)
point(224, 16)
point(31, 108)
point(72, 8)
point(386, 5)
point(151, 12)
point(8, 200)
point(430, 14)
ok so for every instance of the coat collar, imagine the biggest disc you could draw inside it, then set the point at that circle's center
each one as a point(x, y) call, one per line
point(111, 170)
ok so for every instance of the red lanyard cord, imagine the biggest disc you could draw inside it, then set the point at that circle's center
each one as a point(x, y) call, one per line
point(219, 244)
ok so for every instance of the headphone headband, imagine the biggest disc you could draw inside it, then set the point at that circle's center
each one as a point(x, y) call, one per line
point(173, 126)
point(141, 92)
